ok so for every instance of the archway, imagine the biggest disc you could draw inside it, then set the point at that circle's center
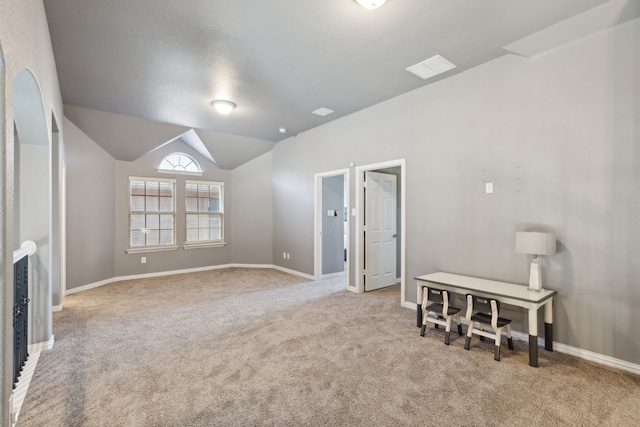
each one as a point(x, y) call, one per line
point(32, 209)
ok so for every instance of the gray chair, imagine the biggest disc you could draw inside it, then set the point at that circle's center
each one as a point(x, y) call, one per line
point(485, 312)
point(436, 310)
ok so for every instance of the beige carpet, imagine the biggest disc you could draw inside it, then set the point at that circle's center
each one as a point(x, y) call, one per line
point(252, 347)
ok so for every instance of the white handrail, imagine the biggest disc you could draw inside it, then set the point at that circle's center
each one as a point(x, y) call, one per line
point(27, 248)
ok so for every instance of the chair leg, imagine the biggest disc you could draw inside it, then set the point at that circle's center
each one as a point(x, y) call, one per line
point(467, 341)
point(496, 349)
point(422, 330)
point(447, 333)
point(509, 339)
point(496, 352)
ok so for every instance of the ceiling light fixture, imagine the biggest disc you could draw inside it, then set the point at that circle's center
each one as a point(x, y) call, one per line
point(370, 4)
point(283, 130)
point(223, 107)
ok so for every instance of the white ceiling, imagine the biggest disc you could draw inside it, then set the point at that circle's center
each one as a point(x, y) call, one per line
point(147, 70)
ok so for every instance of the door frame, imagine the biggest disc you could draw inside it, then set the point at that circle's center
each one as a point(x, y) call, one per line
point(359, 250)
point(317, 220)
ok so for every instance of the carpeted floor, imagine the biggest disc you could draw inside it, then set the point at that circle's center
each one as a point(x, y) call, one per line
point(254, 347)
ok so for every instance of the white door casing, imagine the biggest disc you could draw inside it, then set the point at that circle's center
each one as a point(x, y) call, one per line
point(380, 230)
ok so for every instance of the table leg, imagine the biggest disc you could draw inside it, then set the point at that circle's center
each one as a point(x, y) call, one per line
point(548, 325)
point(419, 293)
point(533, 337)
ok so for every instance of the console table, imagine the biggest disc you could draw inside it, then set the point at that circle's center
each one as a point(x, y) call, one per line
point(508, 293)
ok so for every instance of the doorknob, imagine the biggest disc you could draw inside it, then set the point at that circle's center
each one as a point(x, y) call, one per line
point(394, 236)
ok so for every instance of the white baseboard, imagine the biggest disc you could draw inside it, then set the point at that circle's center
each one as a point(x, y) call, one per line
point(185, 271)
point(294, 272)
point(56, 307)
point(567, 349)
point(41, 346)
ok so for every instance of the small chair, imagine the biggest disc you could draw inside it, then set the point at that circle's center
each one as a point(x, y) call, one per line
point(436, 301)
point(485, 311)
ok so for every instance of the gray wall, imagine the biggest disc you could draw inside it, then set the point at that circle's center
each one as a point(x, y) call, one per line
point(558, 137)
point(34, 225)
point(333, 226)
point(90, 209)
point(252, 201)
point(129, 264)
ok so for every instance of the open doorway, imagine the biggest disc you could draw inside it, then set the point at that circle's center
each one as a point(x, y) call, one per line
point(332, 224)
point(380, 226)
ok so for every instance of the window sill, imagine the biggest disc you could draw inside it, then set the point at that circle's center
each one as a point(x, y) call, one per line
point(204, 245)
point(151, 249)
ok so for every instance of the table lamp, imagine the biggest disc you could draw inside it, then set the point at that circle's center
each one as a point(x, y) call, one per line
point(534, 243)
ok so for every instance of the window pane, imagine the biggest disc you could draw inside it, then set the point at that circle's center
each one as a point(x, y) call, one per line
point(153, 238)
point(214, 233)
point(192, 235)
point(214, 220)
point(153, 222)
point(166, 237)
point(136, 203)
point(166, 204)
point(166, 189)
point(166, 222)
point(203, 234)
point(152, 204)
point(137, 238)
point(137, 222)
point(153, 188)
point(192, 204)
point(192, 190)
point(137, 188)
point(192, 221)
point(214, 205)
point(203, 204)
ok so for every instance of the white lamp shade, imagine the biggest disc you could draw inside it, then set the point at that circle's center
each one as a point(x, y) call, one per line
point(223, 107)
point(370, 4)
point(532, 242)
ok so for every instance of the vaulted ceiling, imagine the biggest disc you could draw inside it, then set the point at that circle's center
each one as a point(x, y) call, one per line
point(137, 74)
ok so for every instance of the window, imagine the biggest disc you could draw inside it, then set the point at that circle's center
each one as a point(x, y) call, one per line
point(204, 212)
point(181, 163)
point(152, 214)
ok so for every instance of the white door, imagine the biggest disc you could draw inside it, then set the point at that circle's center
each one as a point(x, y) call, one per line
point(380, 230)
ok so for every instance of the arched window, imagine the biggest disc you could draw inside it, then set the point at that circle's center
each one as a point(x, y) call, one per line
point(179, 162)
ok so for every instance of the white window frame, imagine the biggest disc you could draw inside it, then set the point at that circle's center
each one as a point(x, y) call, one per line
point(152, 248)
point(204, 243)
point(180, 172)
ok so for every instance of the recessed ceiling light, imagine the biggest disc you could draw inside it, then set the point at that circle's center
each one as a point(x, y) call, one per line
point(282, 130)
point(323, 112)
point(223, 107)
point(431, 67)
point(370, 4)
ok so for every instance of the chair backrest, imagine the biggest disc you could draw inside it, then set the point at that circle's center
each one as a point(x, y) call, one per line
point(436, 295)
point(483, 304)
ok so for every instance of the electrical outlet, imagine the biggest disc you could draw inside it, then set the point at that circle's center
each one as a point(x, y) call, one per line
point(284, 255)
point(488, 187)
point(143, 260)
point(288, 255)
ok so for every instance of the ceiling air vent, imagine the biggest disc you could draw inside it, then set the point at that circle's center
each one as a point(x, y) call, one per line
point(431, 67)
point(322, 112)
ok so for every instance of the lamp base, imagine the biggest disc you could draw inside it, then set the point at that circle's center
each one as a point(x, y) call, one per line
point(535, 278)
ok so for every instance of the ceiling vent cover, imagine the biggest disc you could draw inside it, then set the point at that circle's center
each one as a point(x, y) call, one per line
point(323, 112)
point(431, 67)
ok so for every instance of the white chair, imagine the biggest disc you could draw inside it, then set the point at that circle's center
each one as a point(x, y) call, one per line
point(485, 312)
point(436, 303)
